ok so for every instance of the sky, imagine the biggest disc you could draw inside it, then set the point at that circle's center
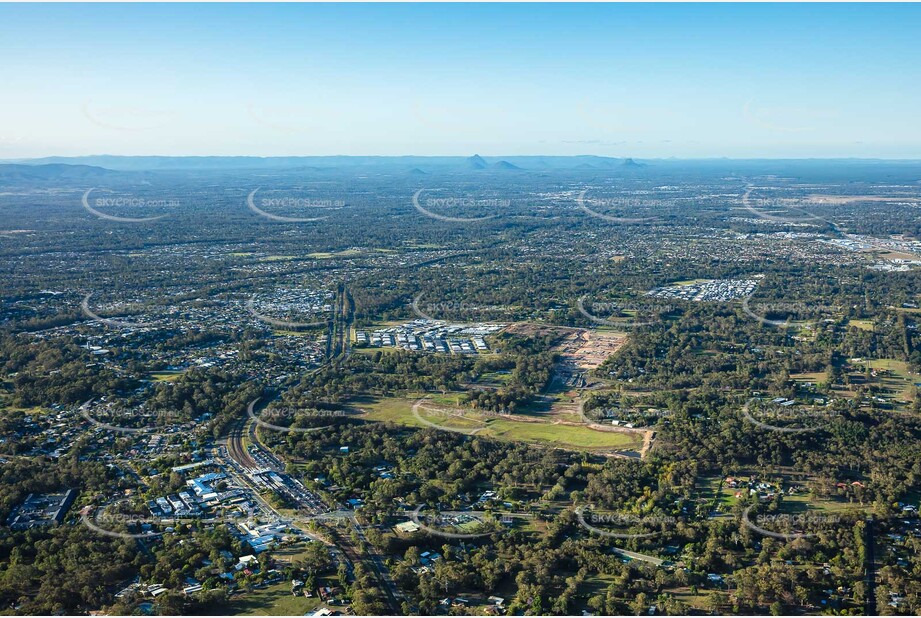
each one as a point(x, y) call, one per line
point(638, 80)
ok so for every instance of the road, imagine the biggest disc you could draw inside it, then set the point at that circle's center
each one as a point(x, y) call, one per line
point(380, 570)
point(870, 567)
point(636, 556)
point(342, 323)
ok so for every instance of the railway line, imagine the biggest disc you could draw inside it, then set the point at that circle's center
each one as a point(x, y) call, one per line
point(235, 447)
point(338, 344)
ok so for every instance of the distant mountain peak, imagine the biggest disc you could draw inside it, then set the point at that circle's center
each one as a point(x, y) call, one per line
point(417, 172)
point(505, 165)
point(477, 162)
point(628, 162)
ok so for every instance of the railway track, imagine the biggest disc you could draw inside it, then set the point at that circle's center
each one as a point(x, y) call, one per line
point(235, 447)
point(338, 343)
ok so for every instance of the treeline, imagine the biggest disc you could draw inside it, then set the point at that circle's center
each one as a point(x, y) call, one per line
point(68, 569)
point(57, 371)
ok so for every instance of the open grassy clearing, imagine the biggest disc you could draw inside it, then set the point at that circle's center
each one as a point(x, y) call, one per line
point(30, 411)
point(897, 255)
point(165, 376)
point(493, 378)
point(312, 332)
point(540, 431)
point(814, 378)
point(372, 351)
point(690, 282)
point(292, 553)
point(710, 490)
point(893, 376)
point(274, 600)
point(809, 503)
point(717, 495)
point(322, 255)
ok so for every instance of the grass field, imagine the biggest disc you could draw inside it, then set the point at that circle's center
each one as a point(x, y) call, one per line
point(866, 325)
point(379, 325)
point(165, 376)
point(292, 553)
point(328, 256)
point(798, 503)
point(897, 255)
point(372, 351)
point(608, 329)
point(802, 503)
point(275, 600)
point(690, 282)
point(815, 378)
point(30, 411)
point(399, 410)
point(492, 378)
point(710, 490)
point(312, 332)
point(898, 384)
point(896, 366)
point(566, 436)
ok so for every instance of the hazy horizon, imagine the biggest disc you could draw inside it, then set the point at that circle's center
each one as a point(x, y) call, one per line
point(463, 156)
point(643, 81)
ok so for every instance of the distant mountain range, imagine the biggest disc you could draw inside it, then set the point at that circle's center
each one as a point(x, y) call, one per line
point(476, 162)
point(55, 171)
point(134, 169)
point(408, 164)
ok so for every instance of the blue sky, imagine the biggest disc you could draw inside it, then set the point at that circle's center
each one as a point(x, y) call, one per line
point(651, 80)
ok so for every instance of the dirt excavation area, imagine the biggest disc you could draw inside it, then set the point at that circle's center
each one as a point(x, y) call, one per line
point(581, 348)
